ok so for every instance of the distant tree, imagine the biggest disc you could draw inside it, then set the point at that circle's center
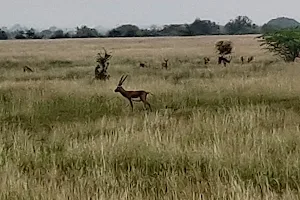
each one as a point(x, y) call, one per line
point(30, 34)
point(152, 31)
point(3, 35)
point(20, 35)
point(86, 32)
point(114, 33)
point(58, 34)
point(203, 27)
point(278, 24)
point(53, 29)
point(126, 30)
point(144, 33)
point(46, 33)
point(131, 33)
point(240, 25)
point(175, 30)
point(69, 35)
point(283, 22)
point(255, 29)
point(284, 43)
point(268, 28)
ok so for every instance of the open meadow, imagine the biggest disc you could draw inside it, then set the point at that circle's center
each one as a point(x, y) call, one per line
point(213, 132)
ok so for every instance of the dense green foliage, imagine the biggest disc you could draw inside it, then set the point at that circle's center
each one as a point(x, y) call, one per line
point(285, 43)
point(241, 25)
point(3, 35)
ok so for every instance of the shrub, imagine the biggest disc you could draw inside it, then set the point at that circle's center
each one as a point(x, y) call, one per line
point(284, 43)
point(224, 47)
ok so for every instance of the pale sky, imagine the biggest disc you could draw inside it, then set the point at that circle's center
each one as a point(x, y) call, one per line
point(111, 13)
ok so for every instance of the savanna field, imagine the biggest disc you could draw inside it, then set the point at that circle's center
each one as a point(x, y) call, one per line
point(213, 132)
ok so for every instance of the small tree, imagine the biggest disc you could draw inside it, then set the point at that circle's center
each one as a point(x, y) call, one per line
point(101, 69)
point(58, 34)
point(240, 25)
point(20, 35)
point(3, 35)
point(284, 43)
point(30, 34)
point(224, 47)
point(86, 32)
point(203, 27)
point(126, 30)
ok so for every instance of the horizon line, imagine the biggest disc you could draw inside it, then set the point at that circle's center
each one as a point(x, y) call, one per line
point(134, 24)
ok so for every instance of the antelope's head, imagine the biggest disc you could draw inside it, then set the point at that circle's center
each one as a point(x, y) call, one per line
point(119, 87)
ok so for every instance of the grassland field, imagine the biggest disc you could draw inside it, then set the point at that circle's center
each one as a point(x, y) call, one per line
point(213, 133)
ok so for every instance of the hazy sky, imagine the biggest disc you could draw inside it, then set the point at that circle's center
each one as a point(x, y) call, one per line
point(110, 13)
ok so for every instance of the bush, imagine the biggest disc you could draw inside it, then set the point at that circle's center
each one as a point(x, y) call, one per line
point(224, 47)
point(284, 43)
point(3, 35)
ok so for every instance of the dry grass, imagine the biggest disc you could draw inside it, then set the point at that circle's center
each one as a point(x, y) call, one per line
point(214, 133)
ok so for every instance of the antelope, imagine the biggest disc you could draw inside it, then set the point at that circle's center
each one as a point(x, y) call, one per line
point(165, 63)
point(27, 69)
point(250, 59)
point(132, 95)
point(143, 64)
point(224, 60)
point(206, 60)
point(242, 59)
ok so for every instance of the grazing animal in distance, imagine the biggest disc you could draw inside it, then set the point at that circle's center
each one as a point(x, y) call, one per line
point(143, 65)
point(165, 64)
point(251, 58)
point(132, 95)
point(27, 69)
point(242, 59)
point(224, 60)
point(206, 60)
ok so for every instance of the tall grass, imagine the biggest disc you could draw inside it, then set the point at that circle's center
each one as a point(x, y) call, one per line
point(214, 133)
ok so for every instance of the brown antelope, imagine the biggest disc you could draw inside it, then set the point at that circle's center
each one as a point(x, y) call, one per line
point(250, 59)
point(206, 60)
point(242, 59)
point(224, 60)
point(143, 65)
point(165, 64)
point(132, 95)
point(27, 69)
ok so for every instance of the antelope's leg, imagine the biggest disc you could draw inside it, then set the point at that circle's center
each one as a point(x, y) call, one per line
point(131, 104)
point(148, 105)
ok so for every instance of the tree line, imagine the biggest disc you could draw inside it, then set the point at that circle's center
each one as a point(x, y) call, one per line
point(239, 25)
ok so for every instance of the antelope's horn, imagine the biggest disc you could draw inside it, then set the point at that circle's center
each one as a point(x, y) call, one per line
point(120, 81)
point(124, 78)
